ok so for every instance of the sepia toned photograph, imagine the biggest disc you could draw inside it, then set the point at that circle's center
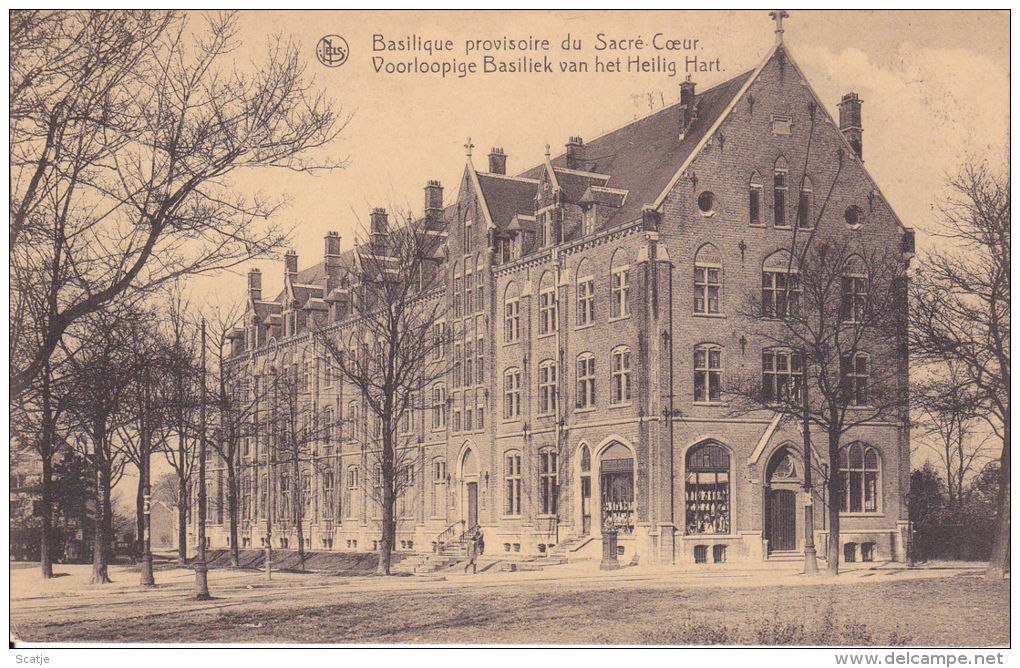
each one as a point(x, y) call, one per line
point(517, 329)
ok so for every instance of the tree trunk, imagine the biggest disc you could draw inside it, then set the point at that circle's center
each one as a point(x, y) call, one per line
point(140, 510)
point(388, 528)
point(46, 539)
point(100, 544)
point(232, 509)
point(299, 514)
point(998, 564)
point(182, 522)
point(835, 486)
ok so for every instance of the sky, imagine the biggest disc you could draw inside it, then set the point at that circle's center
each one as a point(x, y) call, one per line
point(935, 87)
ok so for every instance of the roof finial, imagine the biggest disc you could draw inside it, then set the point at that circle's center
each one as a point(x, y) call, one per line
point(469, 146)
point(778, 17)
point(547, 154)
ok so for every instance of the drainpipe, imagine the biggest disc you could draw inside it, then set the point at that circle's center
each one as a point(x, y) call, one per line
point(558, 264)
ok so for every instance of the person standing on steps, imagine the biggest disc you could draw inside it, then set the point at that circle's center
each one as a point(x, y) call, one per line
point(474, 547)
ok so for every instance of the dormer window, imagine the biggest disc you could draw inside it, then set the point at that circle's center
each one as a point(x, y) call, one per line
point(590, 218)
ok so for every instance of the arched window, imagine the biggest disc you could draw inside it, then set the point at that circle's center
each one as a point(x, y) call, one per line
point(548, 481)
point(513, 478)
point(585, 480)
point(619, 286)
point(353, 484)
point(859, 467)
point(586, 381)
point(285, 496)
point(512, 394)
point(708, 489)
point(620, 365)
point(780, 186)
point(754, 198)
point(854, 376)
point(512, 314)
point(707, 373)
point(805, 205)
point(780, 286)
point(616, 473)
point(353, 415)
point(707, 279)
point(547, 320)
point(547, 387)
point(585, 293)
point(585, 459)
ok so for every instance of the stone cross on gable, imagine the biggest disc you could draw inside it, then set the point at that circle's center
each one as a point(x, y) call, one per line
point(469, 146)
point(778, 17)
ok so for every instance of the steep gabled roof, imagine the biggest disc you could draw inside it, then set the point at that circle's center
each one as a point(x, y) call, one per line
point(642, 157)
point(575, 183)
point(506, 196)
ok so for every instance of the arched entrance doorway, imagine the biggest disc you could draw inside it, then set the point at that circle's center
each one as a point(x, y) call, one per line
point(616, 479)
point(782, 479)
point(469, 482)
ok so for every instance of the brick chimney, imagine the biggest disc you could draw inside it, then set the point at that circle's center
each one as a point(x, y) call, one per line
point(290, 263)
point(255, 285)
point(850, 121)
point(688, 113)
point(434, 200)
point(380, 229)
point(332, 260)
point(575, 153)
point(497, 161)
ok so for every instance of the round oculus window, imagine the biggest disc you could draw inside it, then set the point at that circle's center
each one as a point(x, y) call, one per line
point(854, 217)
point(706, 202)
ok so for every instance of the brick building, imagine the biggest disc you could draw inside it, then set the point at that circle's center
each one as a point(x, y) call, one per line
point(595, 304)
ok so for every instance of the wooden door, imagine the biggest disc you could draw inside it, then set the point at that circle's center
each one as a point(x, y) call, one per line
point(472, 504)
point(781, 516)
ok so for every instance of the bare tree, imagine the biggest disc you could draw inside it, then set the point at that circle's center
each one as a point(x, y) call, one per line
point(947, 407)
point(104, 370)
point(833, 325)
point(960, 312)
point(396, 353)
point(129, 141)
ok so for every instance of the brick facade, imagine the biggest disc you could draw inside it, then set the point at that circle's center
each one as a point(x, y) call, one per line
point(642, 213)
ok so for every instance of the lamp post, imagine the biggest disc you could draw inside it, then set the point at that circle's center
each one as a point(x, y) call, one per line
point(147, 578)
point(201, 570)
point(810, 554)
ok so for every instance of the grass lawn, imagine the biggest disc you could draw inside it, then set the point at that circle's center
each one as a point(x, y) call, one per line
point(954, 611)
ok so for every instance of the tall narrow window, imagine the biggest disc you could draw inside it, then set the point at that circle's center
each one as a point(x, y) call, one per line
point(469, 363)
point(754, 199)
point(707, 373)
point(512, 314)
point(707, 279)
point(780, 186)
point(480, 285)
point(708, 490)
point(456, 290)
point(780, 287)
point(805, 205)
point(438, 486)
point(458, 364)
point(513, 484)
point(619, 296)
point(480, 410)
point(585, 294)
point(480, 362)
point(456, 425)
point(860, 467)
point(854, 299)
point(438, 407)
point(352, 421)
point(469, 287)
point(854, 373)
point(620, 393)
point(512, 394)
point(782, 376)
point(547, 387)
point(547, 321)
point(547, 482)
point(469, 410)
point(586, 381)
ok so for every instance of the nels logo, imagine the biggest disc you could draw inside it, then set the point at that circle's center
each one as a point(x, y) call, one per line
point(332, 50)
